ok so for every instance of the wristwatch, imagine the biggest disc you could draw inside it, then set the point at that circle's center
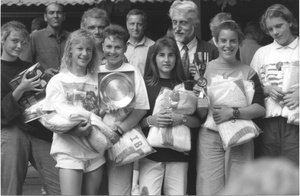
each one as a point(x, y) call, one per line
point(118, 131)
point(235, 113)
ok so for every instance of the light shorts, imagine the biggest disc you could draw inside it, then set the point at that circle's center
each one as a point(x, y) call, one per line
point(65, 161)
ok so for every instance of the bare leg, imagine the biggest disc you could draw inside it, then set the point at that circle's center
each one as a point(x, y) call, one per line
point(70, 181)
point(92, 181)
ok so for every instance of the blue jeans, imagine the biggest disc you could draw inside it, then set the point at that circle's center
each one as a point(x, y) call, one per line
point(215, 166)
point(17, 148)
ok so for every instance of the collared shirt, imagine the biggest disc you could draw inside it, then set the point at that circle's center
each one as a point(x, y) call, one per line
point(46, 48)
point(192, 46)
point(136, 54)
point(268, 62)
point(274, 53)
point(292, 45)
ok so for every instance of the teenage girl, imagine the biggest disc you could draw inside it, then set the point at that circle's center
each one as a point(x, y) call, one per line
point(213, 169)
point(165, 170)
point(80, 168)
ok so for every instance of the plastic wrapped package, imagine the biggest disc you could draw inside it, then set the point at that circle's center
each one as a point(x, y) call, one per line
point(67, 117)
point(291, 80)
point(64, 118)
point(132, 146)
point(232, 93)
point(178, 137)
point(234, 133)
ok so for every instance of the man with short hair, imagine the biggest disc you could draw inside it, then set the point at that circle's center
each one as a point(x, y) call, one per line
point(137, 44)
point(185, 18)
point(184, 15)
point(47, 45)
point(95, 20)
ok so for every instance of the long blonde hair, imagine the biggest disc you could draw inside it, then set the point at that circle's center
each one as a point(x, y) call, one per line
point(74, 38)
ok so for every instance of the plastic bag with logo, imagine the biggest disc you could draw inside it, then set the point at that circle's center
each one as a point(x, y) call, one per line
point(132, 146)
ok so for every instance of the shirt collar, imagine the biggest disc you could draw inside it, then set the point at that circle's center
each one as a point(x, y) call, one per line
point(292, 45)
point(190, 45)
point(142, 42)
point(50, 32)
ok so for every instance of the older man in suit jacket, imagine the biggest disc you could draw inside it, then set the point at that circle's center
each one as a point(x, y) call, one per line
point(185, 19)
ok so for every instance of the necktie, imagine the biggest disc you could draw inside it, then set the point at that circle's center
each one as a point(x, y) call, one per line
point(186, 61)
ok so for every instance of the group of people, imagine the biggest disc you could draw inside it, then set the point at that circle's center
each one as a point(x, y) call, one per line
point(73, 60)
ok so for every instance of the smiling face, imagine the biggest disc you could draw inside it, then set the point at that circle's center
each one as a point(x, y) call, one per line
point(113, 50)
point(81, 54)
point(165, 61)
point(279, 30)
point(183, 27)
point(135, 26)
point(13, 45)
point(54, 16)
point(228, 45)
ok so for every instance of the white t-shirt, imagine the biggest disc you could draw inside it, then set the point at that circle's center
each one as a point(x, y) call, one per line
point(78, 91)
point(141, 96)
point(268, 61)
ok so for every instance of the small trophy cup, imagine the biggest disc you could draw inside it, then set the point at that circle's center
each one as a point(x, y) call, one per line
point(200, 61)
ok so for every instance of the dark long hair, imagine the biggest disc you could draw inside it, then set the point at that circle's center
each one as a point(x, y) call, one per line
point(177, 73)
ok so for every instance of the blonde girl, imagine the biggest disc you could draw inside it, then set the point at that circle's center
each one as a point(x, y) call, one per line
point(80, 167)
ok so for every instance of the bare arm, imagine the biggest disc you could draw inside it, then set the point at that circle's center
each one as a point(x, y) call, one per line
point(164, 119)
point(26, 85)
point(132, 120)
point(223, 113)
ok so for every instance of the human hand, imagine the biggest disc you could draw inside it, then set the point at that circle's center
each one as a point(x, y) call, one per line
point(84, 128)
point(177, 119)
point(193, 71)
point(29, 84)
point(51, 71)
point(222, 114)
point(161, 119)
point(291, 98)
point(197, 89)
point(274, 92)
point(114, 137)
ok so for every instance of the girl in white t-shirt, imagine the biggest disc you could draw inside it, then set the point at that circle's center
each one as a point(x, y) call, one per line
point(80, 167)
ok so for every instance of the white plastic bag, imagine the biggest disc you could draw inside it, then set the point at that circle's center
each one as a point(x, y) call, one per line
point(237, 132)
point(232, 93)
point(291, 80)
point(68, 116)
point(178, 137)
point(64, 118)
point(132, 146)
